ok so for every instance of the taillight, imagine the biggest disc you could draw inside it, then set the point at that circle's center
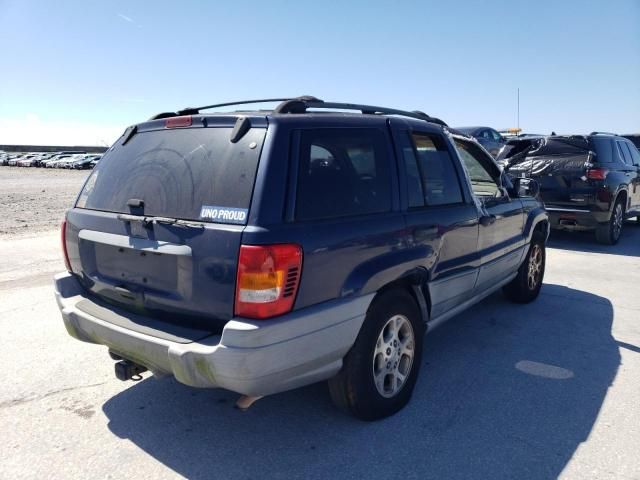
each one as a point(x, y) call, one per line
point(597, 173)
point(174, 122)
point(63, 239)
point(268, 278)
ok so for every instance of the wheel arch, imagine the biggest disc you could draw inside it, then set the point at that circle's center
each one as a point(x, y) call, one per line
point(621, 193)
point(537, 220)
point(415, 282)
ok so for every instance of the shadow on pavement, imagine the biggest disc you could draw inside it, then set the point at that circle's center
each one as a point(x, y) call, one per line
point(505, 391)
point(629, 243)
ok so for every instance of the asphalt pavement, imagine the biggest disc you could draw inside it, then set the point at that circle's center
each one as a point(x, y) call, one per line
point(540, 391)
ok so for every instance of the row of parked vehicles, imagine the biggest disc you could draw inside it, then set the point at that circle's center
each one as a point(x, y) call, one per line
point(260, 251)
point(69, 160)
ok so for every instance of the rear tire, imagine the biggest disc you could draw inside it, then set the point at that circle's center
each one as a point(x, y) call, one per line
point(526, 286)
point(609, 233)
point(380, 370)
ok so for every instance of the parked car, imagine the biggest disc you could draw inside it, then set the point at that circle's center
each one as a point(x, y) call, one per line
point(85, 163)
point(587, 182)
point(30, 160)
point(489, 138)
point(362, 231)
point(59, 161)
point(13, 161)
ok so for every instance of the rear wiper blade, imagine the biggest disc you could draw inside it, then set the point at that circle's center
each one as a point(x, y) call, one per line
point(174, 221)
point(148, 220)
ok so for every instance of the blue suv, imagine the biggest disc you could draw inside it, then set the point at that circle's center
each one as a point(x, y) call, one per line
point(260, 251)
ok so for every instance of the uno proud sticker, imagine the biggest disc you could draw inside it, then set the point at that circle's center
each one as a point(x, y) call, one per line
point(212, 213)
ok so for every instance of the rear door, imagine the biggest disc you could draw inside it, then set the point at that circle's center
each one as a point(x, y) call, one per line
point(123, 240)
point(441, 219)
point(501, 240)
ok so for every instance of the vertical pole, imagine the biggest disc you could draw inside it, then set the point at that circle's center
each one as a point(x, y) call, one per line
point(518, 102)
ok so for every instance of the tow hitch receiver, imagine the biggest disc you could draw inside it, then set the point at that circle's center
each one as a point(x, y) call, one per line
point(126, 370)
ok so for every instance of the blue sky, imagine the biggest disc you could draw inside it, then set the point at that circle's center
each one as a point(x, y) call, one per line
point(81, 71)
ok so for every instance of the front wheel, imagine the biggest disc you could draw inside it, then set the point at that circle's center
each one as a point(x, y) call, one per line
point(526, 286)
point(380, 370)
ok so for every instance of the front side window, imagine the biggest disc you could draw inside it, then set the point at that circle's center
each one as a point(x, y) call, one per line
point(342, 172)
point(482, 183)
point(440, 182)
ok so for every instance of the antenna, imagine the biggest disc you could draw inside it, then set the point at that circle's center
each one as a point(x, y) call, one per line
point(518, 116)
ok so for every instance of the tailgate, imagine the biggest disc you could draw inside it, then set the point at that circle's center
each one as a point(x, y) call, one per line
point(158, 225)
point(562, 178)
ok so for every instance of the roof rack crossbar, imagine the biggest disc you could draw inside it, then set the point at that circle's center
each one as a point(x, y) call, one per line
point(300, 105)
point(196, 110)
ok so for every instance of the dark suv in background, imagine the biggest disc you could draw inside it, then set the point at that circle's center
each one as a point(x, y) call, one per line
point(260, 251)
point(587, 182)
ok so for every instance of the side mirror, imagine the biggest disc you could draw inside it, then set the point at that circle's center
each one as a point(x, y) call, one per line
point(525, 187)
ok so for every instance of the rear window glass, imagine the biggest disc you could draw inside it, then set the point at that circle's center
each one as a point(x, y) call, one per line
point(176, 173)
point(342, 172)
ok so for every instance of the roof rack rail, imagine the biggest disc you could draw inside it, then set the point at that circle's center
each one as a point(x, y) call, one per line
point(603, 133)
point(301, 104)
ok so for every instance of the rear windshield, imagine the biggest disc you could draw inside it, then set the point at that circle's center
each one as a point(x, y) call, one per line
point(188, 173)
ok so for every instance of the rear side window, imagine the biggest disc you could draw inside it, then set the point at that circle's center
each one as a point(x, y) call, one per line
point(342, 172)
point(178, 173)
point(603, 148)
point(635, 154)
point(439, 178)
point(624, 153)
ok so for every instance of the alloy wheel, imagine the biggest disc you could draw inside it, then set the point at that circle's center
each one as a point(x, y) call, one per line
point(535, 267)
point(393, 356)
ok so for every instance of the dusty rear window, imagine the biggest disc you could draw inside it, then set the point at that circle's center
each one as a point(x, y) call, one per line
point(177, 173)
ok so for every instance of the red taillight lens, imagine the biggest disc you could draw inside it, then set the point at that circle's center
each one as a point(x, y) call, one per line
point(175, 122)
point(268, 278)
point(597, 173)
point(63, 239)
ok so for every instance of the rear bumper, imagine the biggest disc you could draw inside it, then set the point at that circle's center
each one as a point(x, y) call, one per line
point(574, 219)
point(249, 357)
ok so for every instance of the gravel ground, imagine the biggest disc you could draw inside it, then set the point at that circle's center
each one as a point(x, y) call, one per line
point(33, 200)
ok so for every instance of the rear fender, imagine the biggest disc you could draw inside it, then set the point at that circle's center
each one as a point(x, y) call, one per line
point(398, 268)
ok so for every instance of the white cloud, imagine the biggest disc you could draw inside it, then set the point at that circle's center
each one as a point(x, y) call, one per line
point(31, 130)
point(125, 18)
